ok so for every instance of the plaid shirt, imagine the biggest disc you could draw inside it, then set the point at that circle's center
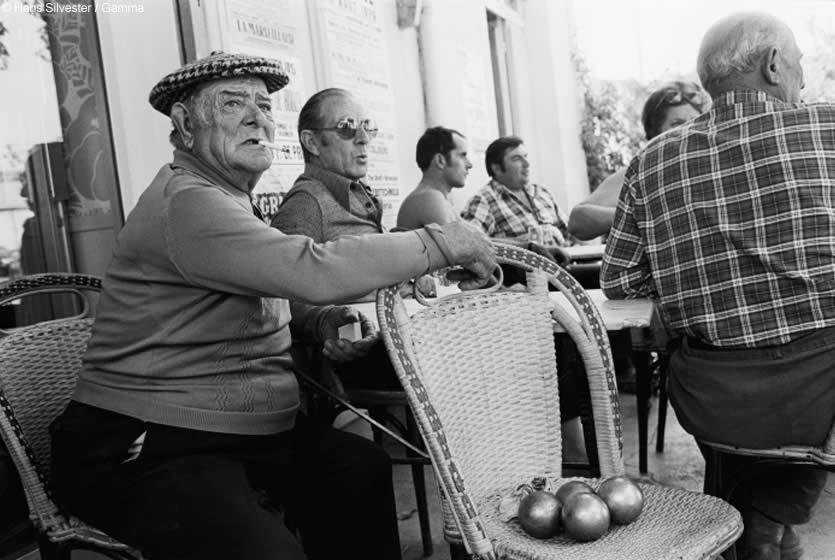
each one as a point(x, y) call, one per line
point(729, 221)
point(504, 213)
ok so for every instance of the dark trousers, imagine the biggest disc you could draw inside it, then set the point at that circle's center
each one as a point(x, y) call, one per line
point(202, 495)
point(761, 398)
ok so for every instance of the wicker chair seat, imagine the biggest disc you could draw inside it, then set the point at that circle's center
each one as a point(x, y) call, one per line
point(675, 523)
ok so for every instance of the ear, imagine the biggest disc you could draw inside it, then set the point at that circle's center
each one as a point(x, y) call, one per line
point(770, 66)
point(439, 160)
point(495, 168)
point(183, 123)
point(310, 142)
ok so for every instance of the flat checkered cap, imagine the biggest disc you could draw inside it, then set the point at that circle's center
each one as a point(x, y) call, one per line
point(176, 85)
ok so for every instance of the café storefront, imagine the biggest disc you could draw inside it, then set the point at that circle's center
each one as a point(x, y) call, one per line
point(80, 142)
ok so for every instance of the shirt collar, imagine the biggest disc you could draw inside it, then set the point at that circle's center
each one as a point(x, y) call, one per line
point(501, 189)
point(338, 185)
point(746, 96)
point(191, 163)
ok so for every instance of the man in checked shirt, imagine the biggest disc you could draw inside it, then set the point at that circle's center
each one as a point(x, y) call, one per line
point(728, 222)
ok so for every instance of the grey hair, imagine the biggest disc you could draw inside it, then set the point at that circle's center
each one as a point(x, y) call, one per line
point(735, 45)
point(202, 104)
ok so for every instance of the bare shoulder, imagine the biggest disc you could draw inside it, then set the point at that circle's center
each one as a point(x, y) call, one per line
point(424, 206)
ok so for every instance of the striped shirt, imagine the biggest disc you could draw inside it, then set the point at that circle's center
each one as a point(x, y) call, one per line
point(729, 222)
point(504, 213)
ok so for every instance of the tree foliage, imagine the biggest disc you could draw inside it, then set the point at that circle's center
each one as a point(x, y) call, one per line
point(610, 126)
point(43, 51)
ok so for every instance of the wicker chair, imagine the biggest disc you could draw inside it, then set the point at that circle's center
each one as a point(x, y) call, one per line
point(38, 367)
point(716, 484)
point(478, 371)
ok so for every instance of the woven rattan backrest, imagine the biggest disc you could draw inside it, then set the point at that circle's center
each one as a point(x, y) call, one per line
point(478, 371)
point(38, 370)
point(39, 363)
point(487, 364)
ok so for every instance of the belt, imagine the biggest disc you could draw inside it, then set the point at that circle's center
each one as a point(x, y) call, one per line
point(697, 344)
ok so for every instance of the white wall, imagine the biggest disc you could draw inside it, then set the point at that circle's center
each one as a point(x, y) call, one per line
point(550, 107)
point(404, 62)
point(138, 49)
point(459, 79)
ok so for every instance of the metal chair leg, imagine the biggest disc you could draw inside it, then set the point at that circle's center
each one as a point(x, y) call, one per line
point(662, 405)
point(458, 552)
point(643, 375)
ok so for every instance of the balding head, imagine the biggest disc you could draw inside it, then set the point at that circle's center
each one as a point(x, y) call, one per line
point(750, 50)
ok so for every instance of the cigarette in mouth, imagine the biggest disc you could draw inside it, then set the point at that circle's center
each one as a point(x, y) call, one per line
point(269, 144)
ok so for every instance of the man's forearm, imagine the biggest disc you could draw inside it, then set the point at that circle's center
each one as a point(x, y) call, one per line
point(588, 221)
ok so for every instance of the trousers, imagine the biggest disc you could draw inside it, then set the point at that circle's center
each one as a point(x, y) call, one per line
point(312, 492)
point(761, 398)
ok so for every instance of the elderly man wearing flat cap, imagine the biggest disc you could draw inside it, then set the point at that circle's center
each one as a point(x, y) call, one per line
point(183, 438)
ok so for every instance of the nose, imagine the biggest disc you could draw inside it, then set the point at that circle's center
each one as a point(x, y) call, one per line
point(257, 117)
point(362, 136)
point(468, 164)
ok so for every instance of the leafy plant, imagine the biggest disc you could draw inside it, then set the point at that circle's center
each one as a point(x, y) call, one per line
point(610, 126)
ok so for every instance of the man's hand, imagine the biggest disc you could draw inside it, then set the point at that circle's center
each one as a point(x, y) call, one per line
point(341, 350)
point(425, 285)
point(550, 252)
point(466, 246)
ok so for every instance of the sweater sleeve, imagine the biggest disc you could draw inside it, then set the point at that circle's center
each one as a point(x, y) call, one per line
point(217, 243)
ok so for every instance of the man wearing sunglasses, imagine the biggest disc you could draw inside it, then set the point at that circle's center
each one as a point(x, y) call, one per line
point(329, 201)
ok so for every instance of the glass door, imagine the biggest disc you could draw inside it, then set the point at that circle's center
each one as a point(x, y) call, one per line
point(59, 202)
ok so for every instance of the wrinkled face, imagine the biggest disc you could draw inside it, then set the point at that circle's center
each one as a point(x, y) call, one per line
point(677, 115)
point(346, 157)
point(241, 115)
point(458, 164)
point(516, 168)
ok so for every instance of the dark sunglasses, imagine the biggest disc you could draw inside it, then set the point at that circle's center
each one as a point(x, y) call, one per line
point(347, 128)
point(677, 97)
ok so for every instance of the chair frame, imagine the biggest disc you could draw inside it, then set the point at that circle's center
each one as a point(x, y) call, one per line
point(589, 334)
point(821, 457)
point(57, 532)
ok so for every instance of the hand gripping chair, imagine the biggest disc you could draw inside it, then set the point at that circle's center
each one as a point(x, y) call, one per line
point(478, 371)
point(716, 484)
point(38, 368)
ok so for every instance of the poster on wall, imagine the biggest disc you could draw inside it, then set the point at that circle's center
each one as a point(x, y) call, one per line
point(356, 58)
point(272, 30)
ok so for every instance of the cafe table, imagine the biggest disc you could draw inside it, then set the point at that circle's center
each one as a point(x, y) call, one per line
point(637, 317)
point(581, 253)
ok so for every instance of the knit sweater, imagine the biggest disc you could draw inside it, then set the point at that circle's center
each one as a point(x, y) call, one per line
point(192, 328)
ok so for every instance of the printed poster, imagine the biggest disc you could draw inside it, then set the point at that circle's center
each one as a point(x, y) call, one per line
point(273, 30)
point(357, 60)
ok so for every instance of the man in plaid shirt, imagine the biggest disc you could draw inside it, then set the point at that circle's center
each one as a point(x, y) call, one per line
point(510, 207)
point(729, 223)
